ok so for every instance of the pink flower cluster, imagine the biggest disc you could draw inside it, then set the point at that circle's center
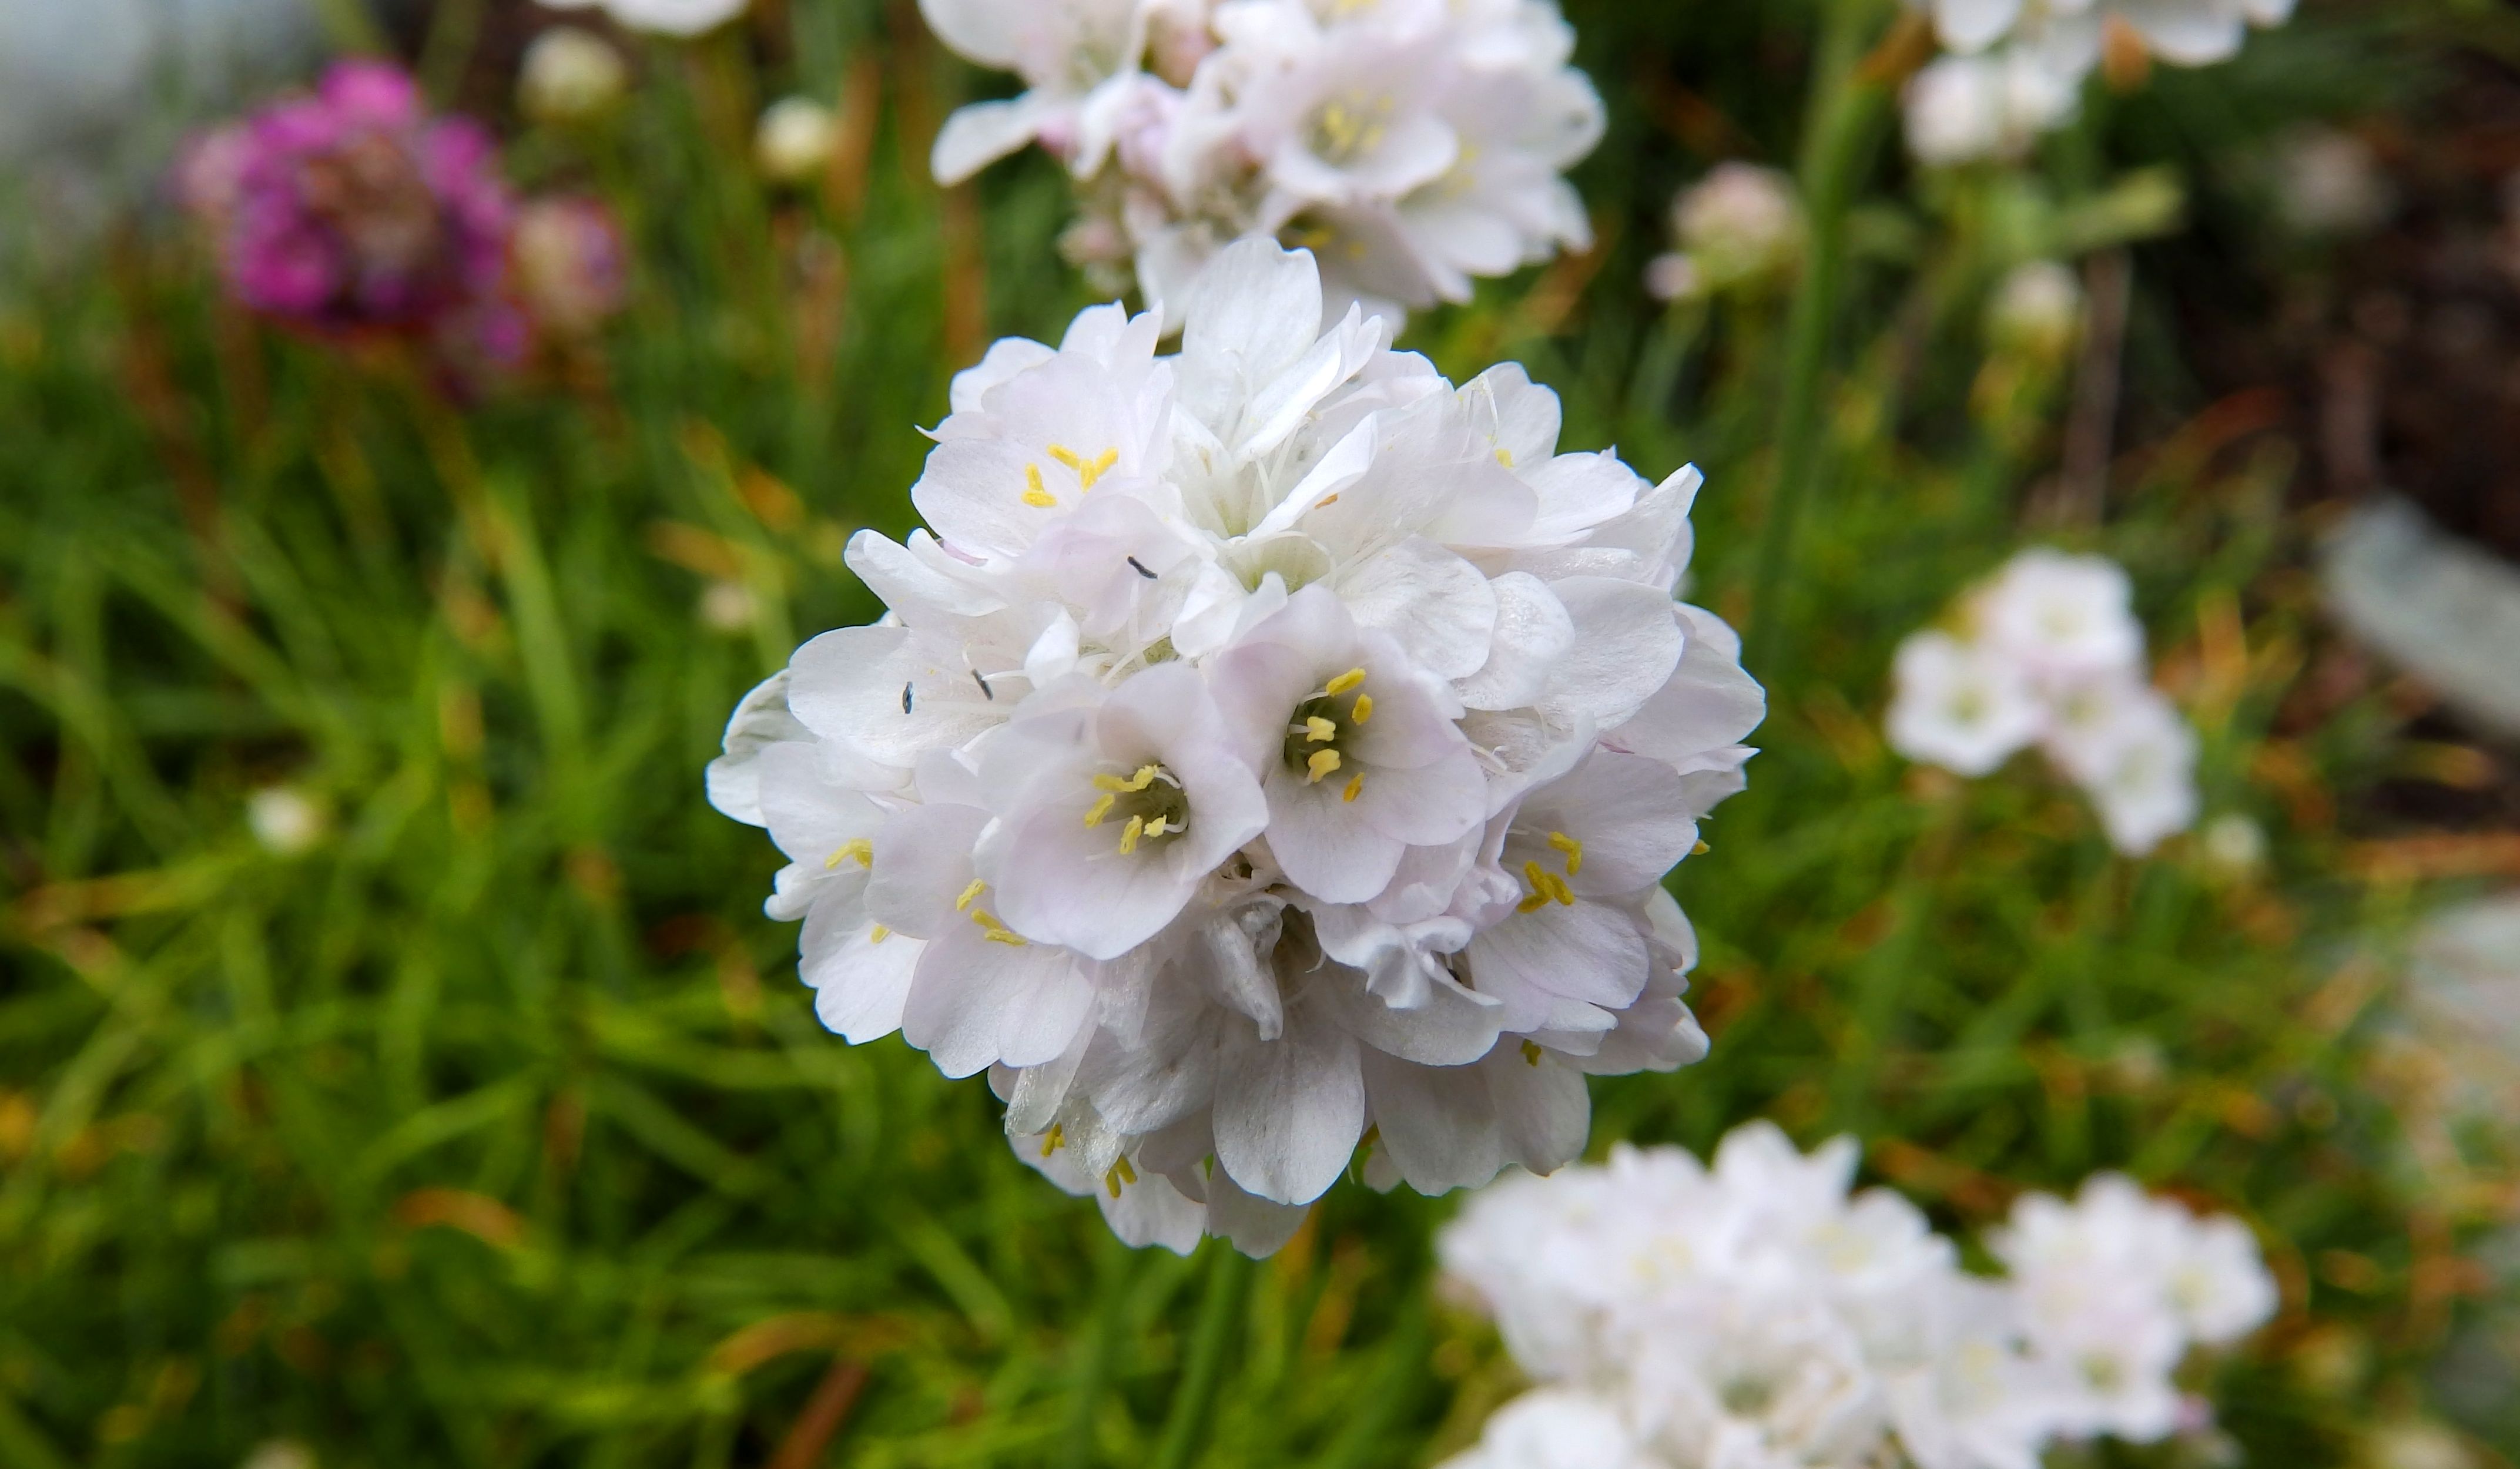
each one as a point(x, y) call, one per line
point(353, 210)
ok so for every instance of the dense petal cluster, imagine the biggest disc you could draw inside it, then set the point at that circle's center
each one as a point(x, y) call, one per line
point(1413, 145)
point(354, 208)
point(354, 211)
point(1271, 748)
point(2049, 653)
point(1755, 1313)
point(2014, 68)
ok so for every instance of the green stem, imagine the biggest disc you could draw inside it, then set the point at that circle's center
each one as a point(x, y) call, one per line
point(349, 25)
point(1102, 1347)
point(1846, 103)
point(1220, 1317)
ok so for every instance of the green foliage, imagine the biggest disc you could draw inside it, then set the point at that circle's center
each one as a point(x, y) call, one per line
point(495, 1129)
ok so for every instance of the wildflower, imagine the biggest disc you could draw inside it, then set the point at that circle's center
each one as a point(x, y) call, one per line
point(570, 75)
point(1754, 1311)
point(2328, 182)
point(1742, 224)
point(1268, 746)
point(286, 821)
point(353, 210)
point(2049, 653)
point(794, 140)
point(571, 264)
point(2037, 312)
point(1413, 147)
point(675, 18)
point(1966, 108)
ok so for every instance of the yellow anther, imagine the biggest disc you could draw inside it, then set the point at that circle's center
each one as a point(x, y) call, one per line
point(1128, 1171)
point(1056, 1139)
point(878, 934)
point(1700, 850)
point(1573, 849)
point(1344, 682)
point(976, 888)
point(1504, 456)
point(1120, 1174)
point(1102, 466)
point(1325, 502)
point(1145, 778)
point(1066, 456)
point(1101, 808)
point(1159, 825)
point(1364, 710)
point(1355, 786)
point(1531, 1052)
point(861, 849)
point(1035, 495)
point(1320, 731)
point(1533, 904)
point(995, 931)
point(1545, 887)
point(1130, 833)
point(1321, 764)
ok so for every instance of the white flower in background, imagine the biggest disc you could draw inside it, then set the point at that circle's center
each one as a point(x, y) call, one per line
point(2036, 311)
point(2014, 68)
point(1677, 1317)
point(1740, 224)
point(2329, 182)
point(675, 18)
point(286, 821)
point(1268, 746)
point(2114, 1289)
point(1413, 145)
point(2049, 653)
point(570, 75)
point(794, 139)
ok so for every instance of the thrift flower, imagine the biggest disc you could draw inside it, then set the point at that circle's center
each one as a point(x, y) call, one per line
point(571, 264)
point(1414, 145)
point(570, 75)
point(2049, 653)
point(1677, 1315)
point(1273, 750)
point(794, 140)
point(674, 18)
point(1742, 224)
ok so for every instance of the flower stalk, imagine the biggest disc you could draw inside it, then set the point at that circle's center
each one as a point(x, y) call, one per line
point(1220, 1317)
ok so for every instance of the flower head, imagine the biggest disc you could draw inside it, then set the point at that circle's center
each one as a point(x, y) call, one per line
point(1268, 746)
point(571, 264)
point(570, 75)
point(1411, 145)
point(1741, 225)
point(675, 18)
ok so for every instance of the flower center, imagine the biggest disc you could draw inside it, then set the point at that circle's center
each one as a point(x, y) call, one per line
point(1149, 807)
point(1347, 128)
point(1318, 737)
point(1545, 886)
point(1088, 472)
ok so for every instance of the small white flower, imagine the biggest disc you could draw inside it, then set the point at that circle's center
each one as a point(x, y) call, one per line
point(1552, 1428)
point(794, 139)
point(675, 18)
point(1742, 223)
point(1963, 708)
point(570, 75)
point(2235, 845)
point(1968, 108)
point(287, 821)
point(2036, 311)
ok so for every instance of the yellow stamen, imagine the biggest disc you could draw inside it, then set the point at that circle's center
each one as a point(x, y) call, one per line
point(1127, 1170)
point(1504, 456)
point(861, 849)
point(1700, 850)
point(1130, 833)
point(1056, 1139)
point(1531, 1052)
point(995, 931)
point(1322, 764)
point(1145, 778)
point(1533, 904)
point(1066, 456)
point(1159, 825)
point(976, 888)
point(878, 934)
point(1364, 710)
point(1325, 502)
point(1087, 474)
point(1344, 682)
point(1355, 786)
point(1320, 731)
point(1101, 808)
point(1545, 887)
point(1035, 495)
point(1573, 849)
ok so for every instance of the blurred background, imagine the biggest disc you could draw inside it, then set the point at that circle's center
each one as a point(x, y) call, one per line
point(396, 1066)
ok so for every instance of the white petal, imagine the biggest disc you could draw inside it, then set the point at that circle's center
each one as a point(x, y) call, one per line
point(1288, 1111)
point(860, 982)
point(1437, 606)
point(983, 132)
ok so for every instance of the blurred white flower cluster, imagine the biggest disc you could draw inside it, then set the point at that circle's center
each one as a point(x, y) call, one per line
point(2016, 69)
point(2049, 653)
point(1272, 749)
point(1754, 1313)
point(1413, 145)
point(1741, 225)
point(674, 18)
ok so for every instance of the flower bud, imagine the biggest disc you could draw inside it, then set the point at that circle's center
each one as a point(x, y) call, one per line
point(794, 140)
point(570, 76)
point(285, 821)
point(2037, 312)
point(571, 264)
point(1740, 223)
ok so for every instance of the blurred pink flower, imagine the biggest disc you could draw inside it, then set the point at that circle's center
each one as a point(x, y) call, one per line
point(353, 209)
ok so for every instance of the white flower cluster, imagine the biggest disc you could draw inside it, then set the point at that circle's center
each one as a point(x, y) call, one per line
point(1413, 145)
point(2016, 69)
point(1755, 1315)
point(2049, 653)
point(1741, 225)
point(1271, 743)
